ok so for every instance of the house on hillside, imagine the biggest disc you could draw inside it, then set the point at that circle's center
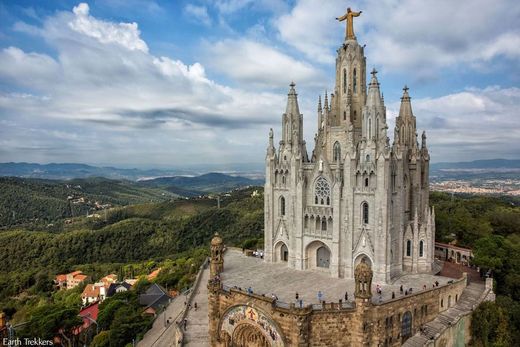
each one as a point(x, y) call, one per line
point(109, 279)
point(115, 288)
point(93, 293)
point(155, 299)
point(89, 316)
point(70, 280)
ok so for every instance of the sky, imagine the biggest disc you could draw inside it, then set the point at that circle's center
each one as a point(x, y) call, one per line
point(135, 83)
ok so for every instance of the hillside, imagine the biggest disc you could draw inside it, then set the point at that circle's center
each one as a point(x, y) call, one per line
point(36, 201)
point(207, 183)
point(131, 234)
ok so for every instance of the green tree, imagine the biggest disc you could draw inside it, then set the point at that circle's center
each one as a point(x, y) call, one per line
point(490, 326)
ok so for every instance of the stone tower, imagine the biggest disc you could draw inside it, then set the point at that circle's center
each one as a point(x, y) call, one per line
point(216, 264)
point(355, 196)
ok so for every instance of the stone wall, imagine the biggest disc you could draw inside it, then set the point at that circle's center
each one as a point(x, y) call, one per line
point(331, 324)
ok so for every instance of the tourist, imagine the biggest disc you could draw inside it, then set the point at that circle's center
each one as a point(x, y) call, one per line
point(406, 292)
point(249, 290)
point(301, 303)
point(424, 287)
point(297, 296)
point(346, 296)
point(380, 298)
point(393, 295)
point(320, 296)
point(185, 323)
point(195, 306)
point(401, 289)
point(436, 283)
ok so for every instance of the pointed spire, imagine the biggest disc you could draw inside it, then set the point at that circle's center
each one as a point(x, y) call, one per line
point(319, 104)
point(423, 142)
point(326, 103)
point(374, 94)
point(406, 107)
point(292, 102)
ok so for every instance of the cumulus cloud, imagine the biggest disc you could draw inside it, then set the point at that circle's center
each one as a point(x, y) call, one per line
point(124, 34)
point(105, 82)
point(257, 63)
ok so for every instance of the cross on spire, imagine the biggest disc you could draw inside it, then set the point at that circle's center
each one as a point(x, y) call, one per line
point(374, 71)
point(405, 88)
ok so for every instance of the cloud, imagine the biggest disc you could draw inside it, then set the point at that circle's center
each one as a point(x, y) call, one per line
point(471, 124)
point(259, 64)
point(310, 28)
point(418, 36)
point(104, 85)
point(198, 14)
point(124, 34)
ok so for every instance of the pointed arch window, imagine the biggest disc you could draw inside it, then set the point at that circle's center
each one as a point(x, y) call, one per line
point(344, 81)
point(282, 206)
point(369, 128)
point(322, 191)
point(408, 248)
point(323, 224)
point(344, 115)
point(337, 151)
point(354, 81)
point(365, 213)
point(421, 248)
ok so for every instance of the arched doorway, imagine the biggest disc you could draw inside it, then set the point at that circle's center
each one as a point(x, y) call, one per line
point(248, 335)
point(281, 252)
point(284, 253)
point(318, 256)
point(323, 257)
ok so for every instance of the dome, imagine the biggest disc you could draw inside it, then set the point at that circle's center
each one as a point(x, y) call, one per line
point(216, 240)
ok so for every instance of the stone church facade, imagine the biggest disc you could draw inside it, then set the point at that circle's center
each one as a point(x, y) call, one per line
point(355, 196)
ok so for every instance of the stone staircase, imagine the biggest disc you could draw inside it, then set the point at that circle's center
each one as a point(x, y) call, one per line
point(469, 298)
point(196, 333)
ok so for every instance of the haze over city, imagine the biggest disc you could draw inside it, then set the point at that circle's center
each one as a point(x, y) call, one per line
point(155, 83)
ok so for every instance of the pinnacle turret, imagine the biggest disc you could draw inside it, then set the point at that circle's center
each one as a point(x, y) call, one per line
point(374, 94)
point(406, 107)
point(292, 108)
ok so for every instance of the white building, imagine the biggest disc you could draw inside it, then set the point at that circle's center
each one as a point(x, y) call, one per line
point(355, 196)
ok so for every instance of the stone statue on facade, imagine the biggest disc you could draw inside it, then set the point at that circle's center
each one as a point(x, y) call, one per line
point(363, 276)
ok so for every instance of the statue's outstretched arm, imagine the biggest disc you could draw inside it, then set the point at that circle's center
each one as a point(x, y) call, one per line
point(356, 14)
point(342, 18)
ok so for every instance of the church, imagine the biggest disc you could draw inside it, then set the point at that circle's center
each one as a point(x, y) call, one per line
point(355, 196)
point(350, 217)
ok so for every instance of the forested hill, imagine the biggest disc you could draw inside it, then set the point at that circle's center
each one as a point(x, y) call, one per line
point(39, 202)
point(129, 234)
point(211, 182)
point(31, 202)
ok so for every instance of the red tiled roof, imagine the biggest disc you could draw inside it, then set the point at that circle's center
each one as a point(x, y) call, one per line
point(91, 312)
point(153, 274)
point(80, 277)
point(90, 291)
point(61, 278)
point(74, 273)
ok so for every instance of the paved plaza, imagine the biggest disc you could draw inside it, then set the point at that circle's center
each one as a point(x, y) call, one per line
point(278, 279)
